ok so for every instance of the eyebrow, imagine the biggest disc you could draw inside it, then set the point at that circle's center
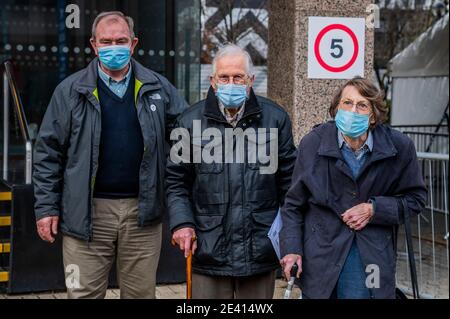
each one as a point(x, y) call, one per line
point(109, 39)
point(347, 98)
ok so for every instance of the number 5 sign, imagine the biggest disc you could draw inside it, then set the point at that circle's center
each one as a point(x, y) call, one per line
point(336, 48)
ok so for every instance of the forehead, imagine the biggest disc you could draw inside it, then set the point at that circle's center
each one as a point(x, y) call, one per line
point(231, 64)
point(112, 27)
point(351, 92)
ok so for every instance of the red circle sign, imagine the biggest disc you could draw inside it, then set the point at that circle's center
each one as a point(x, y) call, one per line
point(317, 48)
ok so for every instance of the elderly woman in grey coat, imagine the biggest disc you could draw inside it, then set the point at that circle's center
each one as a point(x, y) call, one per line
point(351, 178)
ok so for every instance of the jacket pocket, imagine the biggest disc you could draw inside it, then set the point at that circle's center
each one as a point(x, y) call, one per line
point(210, 240)
point(212, 203)
point(262, 249)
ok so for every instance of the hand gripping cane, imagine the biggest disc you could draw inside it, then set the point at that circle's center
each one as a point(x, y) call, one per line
point(287, 293)
point(188, 270)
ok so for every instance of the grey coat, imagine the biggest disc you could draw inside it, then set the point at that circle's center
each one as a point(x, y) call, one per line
point(67, 148)
point(323, 188)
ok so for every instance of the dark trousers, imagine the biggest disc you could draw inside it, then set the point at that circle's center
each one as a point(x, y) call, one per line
point(259, 286)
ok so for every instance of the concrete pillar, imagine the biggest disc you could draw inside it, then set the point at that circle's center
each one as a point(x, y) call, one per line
point(306, 100)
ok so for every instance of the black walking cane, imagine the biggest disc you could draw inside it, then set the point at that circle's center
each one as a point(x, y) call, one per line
point(287, 293)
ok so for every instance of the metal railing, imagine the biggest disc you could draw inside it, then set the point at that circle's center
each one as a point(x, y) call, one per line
point(430, 232)
point(9, 86)
point(428, 138)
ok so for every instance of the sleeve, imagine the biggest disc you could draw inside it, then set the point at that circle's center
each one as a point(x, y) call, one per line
point(175, 106)
point(410, 186)
point(180, 175)
point(286, 158)
point(49, 156)
point(291, 235)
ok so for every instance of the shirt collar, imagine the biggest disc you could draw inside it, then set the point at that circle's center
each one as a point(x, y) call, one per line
point(109, 80)
point(232, 119)
point(368, 144)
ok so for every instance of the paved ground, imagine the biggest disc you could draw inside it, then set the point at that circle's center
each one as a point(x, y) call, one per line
point(162, 292)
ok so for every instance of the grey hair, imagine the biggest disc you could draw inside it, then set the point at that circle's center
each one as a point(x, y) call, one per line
point(101, 16)
point(233, 49)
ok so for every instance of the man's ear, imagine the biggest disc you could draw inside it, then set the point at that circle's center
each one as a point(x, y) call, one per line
point(93, 45)
point(251, 80)
point(134, 43)
point(213, 84)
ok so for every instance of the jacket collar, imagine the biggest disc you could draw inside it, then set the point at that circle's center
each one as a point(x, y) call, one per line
point(383, 147)
point(212, 109)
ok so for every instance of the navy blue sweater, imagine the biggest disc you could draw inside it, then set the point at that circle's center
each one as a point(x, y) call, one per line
point(121, 145)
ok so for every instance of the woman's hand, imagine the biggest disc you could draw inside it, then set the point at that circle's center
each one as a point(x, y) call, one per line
point(288, 261)
point(358, 216)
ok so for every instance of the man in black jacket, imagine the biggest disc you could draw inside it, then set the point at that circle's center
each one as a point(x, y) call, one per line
point(226, 178)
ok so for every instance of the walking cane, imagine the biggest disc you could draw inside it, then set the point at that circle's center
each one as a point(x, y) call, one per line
point(287, 293)
point(188, 270)
point(189, 276)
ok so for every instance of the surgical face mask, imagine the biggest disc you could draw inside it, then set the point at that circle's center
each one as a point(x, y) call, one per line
point(352, 124)
point(114, 57)
point(232, 96)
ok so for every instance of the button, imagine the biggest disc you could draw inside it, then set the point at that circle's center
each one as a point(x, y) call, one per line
point(244, 125)
point(153, 107)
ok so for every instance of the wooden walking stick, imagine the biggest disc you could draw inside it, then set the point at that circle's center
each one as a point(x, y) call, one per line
point(189, 276)
point(188, 270)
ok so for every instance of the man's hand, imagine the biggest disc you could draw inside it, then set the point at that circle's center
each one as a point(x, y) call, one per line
point(358, 216)
point(184, 237)
point(288, 261)
point(48, 228)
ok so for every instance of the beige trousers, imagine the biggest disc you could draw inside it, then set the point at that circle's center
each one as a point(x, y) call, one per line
point(116, 235)
point(259, 286)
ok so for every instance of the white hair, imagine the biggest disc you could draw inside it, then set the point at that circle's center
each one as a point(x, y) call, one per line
point(233, 50)
point(101, 16)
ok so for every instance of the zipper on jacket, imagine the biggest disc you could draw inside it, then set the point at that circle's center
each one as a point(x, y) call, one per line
point(93, 179)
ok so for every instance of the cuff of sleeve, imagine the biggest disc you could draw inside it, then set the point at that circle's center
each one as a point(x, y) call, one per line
point(184, 225)
point(385, 211)
point(49, 213)
point(291, 245)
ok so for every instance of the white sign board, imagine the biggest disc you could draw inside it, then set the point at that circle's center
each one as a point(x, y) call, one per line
point(336, 47)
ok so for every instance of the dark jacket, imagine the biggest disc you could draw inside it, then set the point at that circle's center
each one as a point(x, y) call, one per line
point(67, 148)
point(323, 188)
point(232, 205)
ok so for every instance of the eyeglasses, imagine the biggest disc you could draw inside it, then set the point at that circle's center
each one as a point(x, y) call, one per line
point(236, 79)
point(360, 106)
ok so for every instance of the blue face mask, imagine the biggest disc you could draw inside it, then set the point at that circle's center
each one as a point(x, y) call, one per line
point(114, 57)
point(352, 124)
point(232, 95)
